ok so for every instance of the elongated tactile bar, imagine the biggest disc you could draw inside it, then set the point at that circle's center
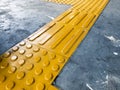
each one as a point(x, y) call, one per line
point(34, 63)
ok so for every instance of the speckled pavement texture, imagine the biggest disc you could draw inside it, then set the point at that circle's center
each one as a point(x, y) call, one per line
point(96, 63)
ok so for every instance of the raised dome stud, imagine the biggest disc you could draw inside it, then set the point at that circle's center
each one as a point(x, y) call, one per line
point(40, 86)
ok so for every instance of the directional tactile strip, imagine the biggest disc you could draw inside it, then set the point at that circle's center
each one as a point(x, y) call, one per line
point(34, 63)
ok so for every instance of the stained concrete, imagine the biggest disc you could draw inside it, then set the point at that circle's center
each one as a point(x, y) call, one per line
point(96, 63)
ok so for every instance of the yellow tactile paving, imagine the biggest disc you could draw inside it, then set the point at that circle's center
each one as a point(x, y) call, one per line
point(34, 63)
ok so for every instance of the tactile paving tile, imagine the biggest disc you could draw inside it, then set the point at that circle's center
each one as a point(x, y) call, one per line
point(28, 66)
point(34, 63)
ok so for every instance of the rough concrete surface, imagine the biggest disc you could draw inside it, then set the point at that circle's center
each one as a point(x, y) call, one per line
point(96, 63)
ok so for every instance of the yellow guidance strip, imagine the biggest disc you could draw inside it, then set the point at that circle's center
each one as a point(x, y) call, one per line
point(34, 63)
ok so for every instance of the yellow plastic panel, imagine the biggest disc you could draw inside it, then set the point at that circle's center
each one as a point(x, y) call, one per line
point(34, 63)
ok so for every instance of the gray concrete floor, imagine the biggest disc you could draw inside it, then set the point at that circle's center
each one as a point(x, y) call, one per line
point(96, 63)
